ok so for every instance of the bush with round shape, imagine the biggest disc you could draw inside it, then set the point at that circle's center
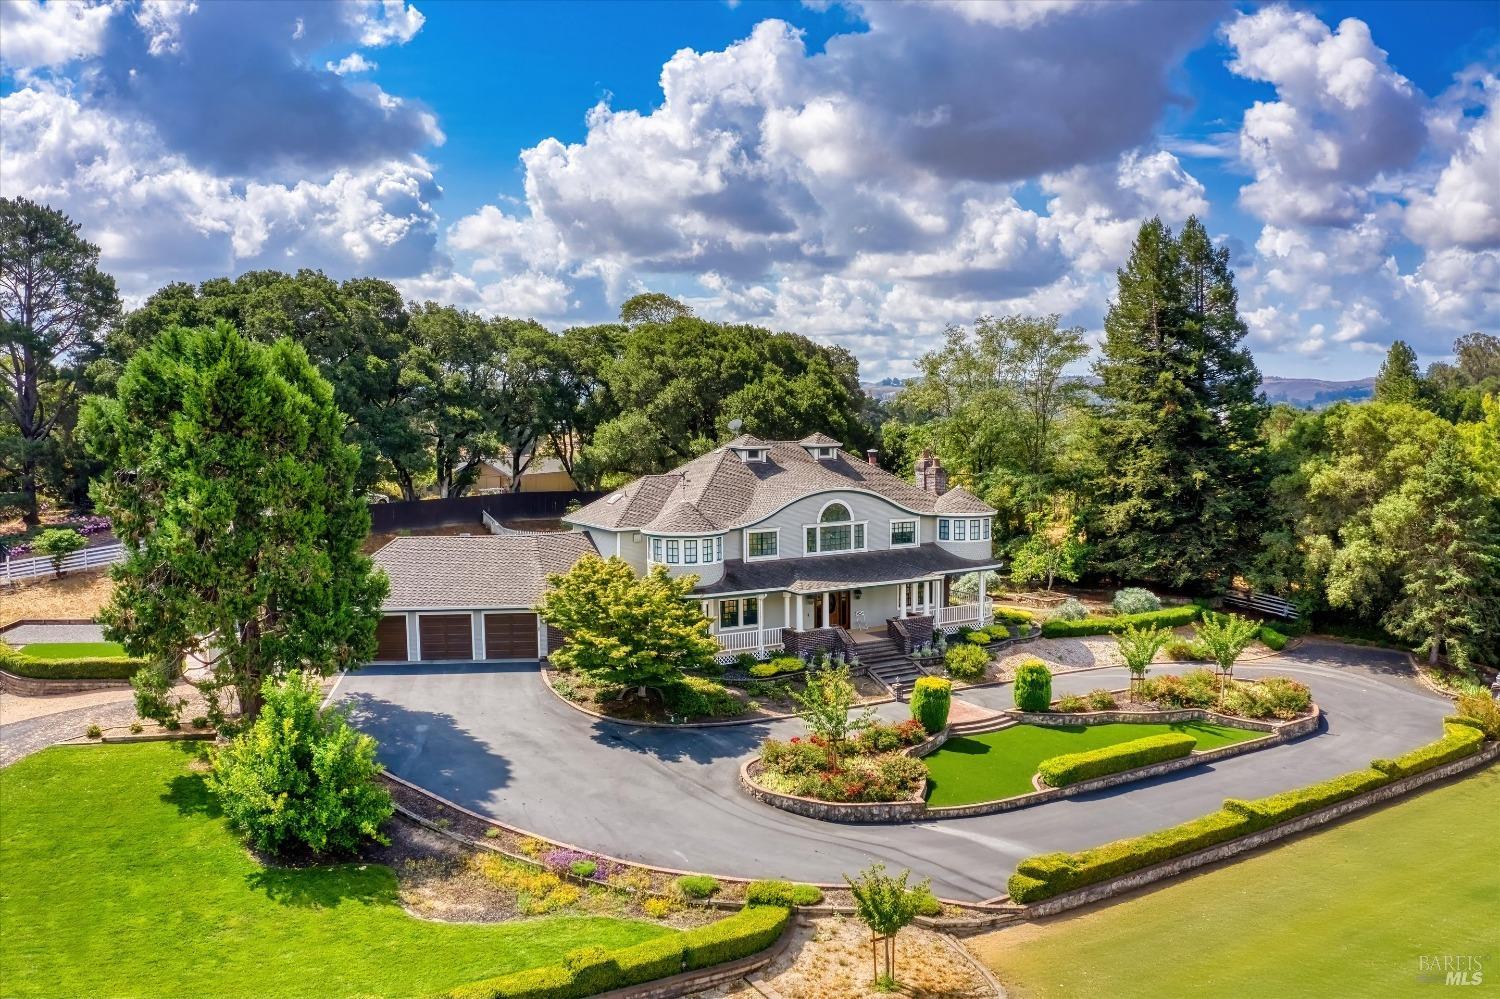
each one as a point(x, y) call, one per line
point(1135, 600)
point(782, 893)
point(1070, 609)
point(931, 697)
point(697, 886)
point(300, 778)
point(1072, 703)
point(1033, 686)
point(967, 662)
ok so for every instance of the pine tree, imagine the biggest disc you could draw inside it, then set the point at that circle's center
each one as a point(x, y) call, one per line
point(1444, 530)
point(1178, 438)
point(1399, 379)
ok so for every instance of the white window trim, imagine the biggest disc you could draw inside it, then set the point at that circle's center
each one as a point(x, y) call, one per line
point(743, 601)
point(745, 543)
point(851, 524)
point(916, 532)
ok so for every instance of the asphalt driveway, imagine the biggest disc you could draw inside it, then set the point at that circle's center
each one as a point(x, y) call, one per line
point(493, 738)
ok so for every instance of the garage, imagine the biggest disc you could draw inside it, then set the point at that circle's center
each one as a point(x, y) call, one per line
point(510, 636)
point(390, 639)
point(446, 636)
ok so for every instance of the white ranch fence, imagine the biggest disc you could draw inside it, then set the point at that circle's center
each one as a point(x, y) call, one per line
point(13, 570)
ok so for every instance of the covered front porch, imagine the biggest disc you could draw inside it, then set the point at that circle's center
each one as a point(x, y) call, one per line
point(820, 606)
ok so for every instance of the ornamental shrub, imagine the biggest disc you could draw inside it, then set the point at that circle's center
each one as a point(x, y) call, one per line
point(697, 886)
point(300, 778)
point(979, 637)
point(1102, 700)
point(931, 697)
point(749, 931)
point(782, 893)
point(1483, 710)
point(967, 662)
point(1072, 703)
point(1135, 600)
point(697, 697)
point(57, 543)
point(1271, 638)
point(1070, 768)
point(1183, 650)
point(1070, 609)
point(1033, 686)
point(1457, 742)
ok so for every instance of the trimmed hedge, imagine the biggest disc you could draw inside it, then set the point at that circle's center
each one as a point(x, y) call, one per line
point(782, 893)
point(1050, 874)
point(931, 697)
point(1271, 638)
point(1167, 617)
point(1459, 740)
point(588, 971)
point(77, 668)
point(1070, 768)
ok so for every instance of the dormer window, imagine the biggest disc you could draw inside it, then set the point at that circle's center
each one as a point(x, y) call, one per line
point(821, 447)
point(752, 454)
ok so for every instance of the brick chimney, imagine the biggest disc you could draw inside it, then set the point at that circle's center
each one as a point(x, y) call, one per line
point(930, 476)
point(871, 455)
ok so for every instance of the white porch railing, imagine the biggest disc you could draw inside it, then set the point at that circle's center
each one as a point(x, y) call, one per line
point(950, 618)
point(732, 643)
point(15, 569)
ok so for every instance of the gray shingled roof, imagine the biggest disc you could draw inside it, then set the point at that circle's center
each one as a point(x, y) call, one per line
point(834, 572)
point(818, 440)
point(729, 494)
point(748, 441)
point(434, 572)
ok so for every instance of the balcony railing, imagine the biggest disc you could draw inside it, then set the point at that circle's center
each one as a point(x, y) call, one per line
point(952, 617)
point(750, 641)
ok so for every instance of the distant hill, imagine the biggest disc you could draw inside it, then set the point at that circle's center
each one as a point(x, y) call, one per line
point(1304, 393)
point(1315, 393)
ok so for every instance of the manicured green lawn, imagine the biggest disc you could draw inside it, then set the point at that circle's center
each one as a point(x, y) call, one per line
point(118, 877)
point(1000, 764)
point(73, 650)
point(1348, 911)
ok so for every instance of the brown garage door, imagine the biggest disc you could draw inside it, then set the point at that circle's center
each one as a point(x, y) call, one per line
point(390, 639)
point(447, 636)
point(510, 636)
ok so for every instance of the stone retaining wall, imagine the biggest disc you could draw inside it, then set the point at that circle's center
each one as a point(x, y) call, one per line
point(1221, 851)
point(30, 686)
point(689, 982)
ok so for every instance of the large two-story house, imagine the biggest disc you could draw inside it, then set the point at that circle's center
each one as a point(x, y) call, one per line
point(796, 545)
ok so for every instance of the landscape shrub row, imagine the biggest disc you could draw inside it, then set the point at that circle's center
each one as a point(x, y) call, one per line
point(1271, 638)
point(1273, 697)
point(782, 893)
point(1070, 768)
point(1170, 617)
point(1049, 874)
point(77, 668)
point(588, 971)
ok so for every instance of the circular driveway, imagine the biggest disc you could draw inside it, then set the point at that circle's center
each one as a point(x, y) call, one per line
point(494, 739)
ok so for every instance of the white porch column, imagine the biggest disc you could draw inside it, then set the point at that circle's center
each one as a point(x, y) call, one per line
point(822, 606)
point(708, 611)
point(786, 608)
point(801, 603)
point(760, 624)
point(901, 589)
point(984, 598)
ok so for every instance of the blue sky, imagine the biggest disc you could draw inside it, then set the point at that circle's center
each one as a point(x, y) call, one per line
point(865, 174)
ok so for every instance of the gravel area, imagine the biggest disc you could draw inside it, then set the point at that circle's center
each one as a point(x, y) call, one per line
point(26, 735)
point(830, 959)
point(27, 633)
point(15, 708)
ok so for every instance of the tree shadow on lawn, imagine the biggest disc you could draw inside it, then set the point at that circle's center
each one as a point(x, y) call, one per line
point(430, 748)
point(327, 886)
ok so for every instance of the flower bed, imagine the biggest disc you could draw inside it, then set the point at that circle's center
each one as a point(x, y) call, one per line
point(1271, 697)
point(873, 767)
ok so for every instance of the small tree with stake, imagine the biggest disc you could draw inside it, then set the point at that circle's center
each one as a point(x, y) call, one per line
point(825, 707)
point(1225, 636)
point(1139, 646)
point(886, 905)
point(57, 543)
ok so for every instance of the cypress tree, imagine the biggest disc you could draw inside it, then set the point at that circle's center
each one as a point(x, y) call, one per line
point(1180, 416)
point(1399, 380)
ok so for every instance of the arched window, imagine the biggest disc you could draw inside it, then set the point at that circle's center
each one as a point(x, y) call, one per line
point(834, 531)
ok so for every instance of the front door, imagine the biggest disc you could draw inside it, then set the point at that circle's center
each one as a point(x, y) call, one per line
point(838, 609)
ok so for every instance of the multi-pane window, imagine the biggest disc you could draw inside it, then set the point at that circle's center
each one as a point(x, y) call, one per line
point(835, 532)
point(751, 612)
point(656, 549)
point(760, 544)
point(729, 613)
point(958, 531)
point(974, 530)
point(944, 531)
point(903, 532)
point(690, 551)
point(674, 552)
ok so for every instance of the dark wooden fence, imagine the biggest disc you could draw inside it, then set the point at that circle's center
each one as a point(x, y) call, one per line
point(414, 515)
